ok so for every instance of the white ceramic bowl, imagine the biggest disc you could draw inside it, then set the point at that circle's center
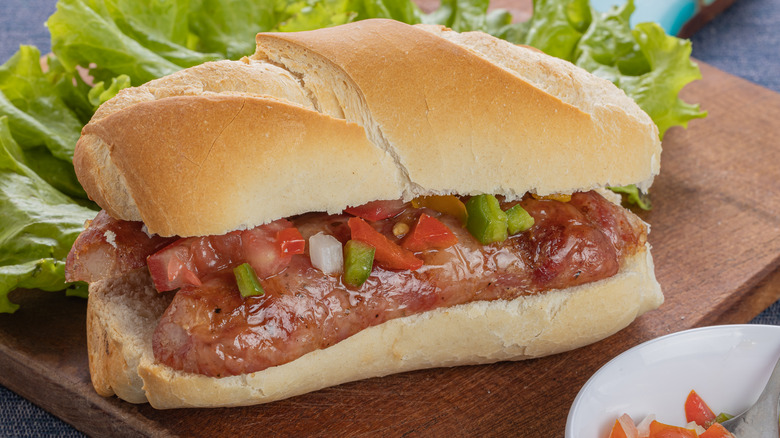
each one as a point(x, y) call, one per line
point(727, 365)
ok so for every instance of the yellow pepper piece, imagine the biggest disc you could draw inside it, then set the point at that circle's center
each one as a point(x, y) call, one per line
point(447, 204)
point(560, 197)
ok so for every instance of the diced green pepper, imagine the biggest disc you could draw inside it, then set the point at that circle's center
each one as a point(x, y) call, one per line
point(723, 417)
point(358, 260)
point(486, 221)
point(518, 220)
point(248, 283)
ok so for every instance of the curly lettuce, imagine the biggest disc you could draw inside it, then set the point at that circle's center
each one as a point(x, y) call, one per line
point(121, 43)
point(650, 66)
point(42, 123)
point(39, 224)
point(637, 61)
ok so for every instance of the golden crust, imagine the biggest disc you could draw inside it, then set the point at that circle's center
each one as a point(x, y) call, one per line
point(475, 333)
point(468, 113)
point(322, 120)
point(250, 157)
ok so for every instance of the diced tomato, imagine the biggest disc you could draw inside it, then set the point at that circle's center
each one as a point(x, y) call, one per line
point(388, 254)
point(262, 249)
point(290, 241)
point(172, 267)
point(429, 233)
point(698, 411)
point(377, 210)
point(716, 431)
point(660, 430)
point(624, 427)
point(189, 260)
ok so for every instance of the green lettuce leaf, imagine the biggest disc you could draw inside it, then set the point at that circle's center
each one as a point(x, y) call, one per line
point(146, 40)
point(48, 120)
point(671, 65)
point(99, 94)
point(83, 36)
point(633, 196)
point(650, 66)
point(40, 121)
point(228, 27)
point(557, 26)
point(608, 47)
point(460, 16)
point(71, 88)
point(160, 26)
point(307, 15)
point(401, 10)
point(39, 225)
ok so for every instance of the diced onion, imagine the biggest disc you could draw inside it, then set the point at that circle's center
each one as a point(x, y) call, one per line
point(629, 429)
point(326, 253)
point(643, 428)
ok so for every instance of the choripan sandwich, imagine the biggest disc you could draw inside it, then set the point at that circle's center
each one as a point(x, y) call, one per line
point(353, 202)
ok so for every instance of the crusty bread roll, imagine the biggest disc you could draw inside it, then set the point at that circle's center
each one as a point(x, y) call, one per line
point(123, 313)
point(323, 120)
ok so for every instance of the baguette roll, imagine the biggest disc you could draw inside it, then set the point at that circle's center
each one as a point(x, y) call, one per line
point(441, 113)
point(124, 311)
point(323, 120)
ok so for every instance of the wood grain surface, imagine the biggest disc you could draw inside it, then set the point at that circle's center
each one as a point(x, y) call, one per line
point(716, 237)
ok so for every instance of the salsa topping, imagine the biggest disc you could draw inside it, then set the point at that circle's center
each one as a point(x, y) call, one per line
point(388, 254)
point(356, 272)
point(185, 262)
point(702, 423)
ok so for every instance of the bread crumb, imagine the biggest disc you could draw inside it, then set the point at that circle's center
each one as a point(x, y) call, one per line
point(110, 238)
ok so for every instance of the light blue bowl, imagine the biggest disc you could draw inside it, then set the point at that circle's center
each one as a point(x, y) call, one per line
point(670, 14)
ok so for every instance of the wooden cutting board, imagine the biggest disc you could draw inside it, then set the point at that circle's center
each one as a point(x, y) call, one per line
point(716, 238)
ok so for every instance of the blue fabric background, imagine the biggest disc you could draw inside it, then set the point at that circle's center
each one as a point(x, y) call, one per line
point(744, 41)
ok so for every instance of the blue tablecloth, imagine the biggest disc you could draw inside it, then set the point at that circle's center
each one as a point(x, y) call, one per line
point(744, 41)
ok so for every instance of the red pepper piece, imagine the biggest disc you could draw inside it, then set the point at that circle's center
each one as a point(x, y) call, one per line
point(290, 241)
point(429, 233)
point(660, 430)
point(388, 254)
point(377, 210)
point(698, 411)
point(716, 431)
